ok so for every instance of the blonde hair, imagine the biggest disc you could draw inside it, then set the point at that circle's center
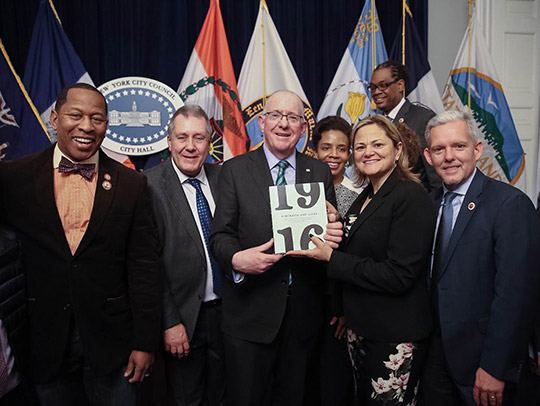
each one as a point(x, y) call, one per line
point(403, 162)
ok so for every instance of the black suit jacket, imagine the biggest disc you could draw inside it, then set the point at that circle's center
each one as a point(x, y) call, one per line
point(182, 246)
point(254, 309)
point(110, 286)
point(417, 117)
point(489, 282)
point(384, 263)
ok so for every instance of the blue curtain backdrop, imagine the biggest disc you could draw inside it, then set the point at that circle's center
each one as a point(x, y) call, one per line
point(154, 38)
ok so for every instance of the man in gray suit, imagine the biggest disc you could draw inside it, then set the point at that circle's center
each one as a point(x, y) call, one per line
point(182, 191)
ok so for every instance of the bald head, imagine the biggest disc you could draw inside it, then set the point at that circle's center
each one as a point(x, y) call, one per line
point(285, 96)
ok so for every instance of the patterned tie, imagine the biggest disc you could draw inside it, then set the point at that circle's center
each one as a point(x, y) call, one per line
point(85, 170)
point(441, 244)
point(280, 180)
point(205, 218)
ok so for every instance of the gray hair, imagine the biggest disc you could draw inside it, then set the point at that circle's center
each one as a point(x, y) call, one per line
point(451, 116)
point(190, 110)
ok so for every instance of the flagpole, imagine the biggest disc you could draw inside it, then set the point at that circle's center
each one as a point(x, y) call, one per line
point(23, 90)
point(54, 11)
point(263, 4)
point(373, 43)
point(471, 2)
point(403, 33)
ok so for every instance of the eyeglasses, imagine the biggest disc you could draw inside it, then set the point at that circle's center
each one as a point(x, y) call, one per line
point(291, 118)
point(381, 86)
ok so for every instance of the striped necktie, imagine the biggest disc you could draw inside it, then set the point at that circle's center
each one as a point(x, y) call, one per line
point(280, 180)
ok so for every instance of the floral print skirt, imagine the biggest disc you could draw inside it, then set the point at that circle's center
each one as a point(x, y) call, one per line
point(385, 374)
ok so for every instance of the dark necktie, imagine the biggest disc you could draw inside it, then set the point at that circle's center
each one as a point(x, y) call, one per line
point(280, 179)
point(444, 233)
point(205, 218)
point(85, 170)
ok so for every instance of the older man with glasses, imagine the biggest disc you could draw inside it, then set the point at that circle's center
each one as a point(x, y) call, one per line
point(272, 304)
point(387, 88)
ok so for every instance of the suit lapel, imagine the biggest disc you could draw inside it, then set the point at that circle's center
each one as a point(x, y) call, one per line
point(213, 176)
point(261, 173)
point(174, 191)
point(102, 200)
point(43, 167)
point(471, 199)
point(304, 171)
point(376, 202)
point(402, 113)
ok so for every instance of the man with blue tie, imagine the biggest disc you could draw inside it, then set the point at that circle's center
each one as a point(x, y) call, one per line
point(183, 191)
point(485, 276)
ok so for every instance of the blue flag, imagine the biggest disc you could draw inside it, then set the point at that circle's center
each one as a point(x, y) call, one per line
point(421, 86)
point(52, 63)
point(21, 130)
point(347, 96)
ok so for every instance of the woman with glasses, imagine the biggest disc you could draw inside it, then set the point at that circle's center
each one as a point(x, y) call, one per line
point(383, 265)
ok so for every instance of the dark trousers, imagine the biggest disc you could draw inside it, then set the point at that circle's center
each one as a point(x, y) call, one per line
point(77, 385)
point(269, 374)
point(337, 386)
point(199, 378)
point(437, 387)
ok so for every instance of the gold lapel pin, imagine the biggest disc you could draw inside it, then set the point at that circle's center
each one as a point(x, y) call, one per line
point(106, 185)
point(107, 176)
point(401, 120)
point(471, 206)
point(308, 170)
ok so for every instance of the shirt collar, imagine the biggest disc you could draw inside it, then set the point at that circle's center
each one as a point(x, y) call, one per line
point(392, 115)
point(273, 160)
point(201, 176)
point(57, 157)
point(463, 189)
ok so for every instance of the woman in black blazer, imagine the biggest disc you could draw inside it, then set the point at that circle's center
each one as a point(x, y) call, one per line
point(383, 265)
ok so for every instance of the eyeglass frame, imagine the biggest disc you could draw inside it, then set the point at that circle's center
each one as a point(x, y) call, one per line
point(382, 86)
point(300, 118)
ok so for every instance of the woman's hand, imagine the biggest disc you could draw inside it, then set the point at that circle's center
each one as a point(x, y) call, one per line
point(322, 251)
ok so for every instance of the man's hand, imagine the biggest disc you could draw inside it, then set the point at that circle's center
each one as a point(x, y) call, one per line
point(139, 365)
point(254, 260)
point(341, 328)
point(488, 390)
point(176, 341)
point(334, 231)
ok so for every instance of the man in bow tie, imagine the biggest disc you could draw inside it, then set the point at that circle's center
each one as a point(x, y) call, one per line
point(89, 251)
